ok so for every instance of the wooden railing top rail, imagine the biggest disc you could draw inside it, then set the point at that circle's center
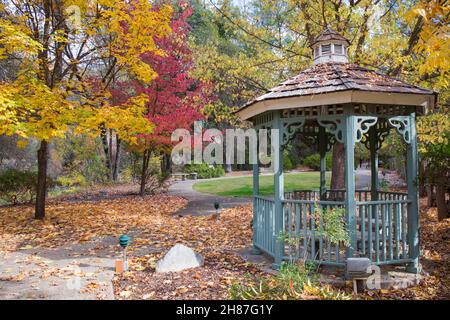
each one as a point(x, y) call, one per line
point(381, 202)
point(322, 202)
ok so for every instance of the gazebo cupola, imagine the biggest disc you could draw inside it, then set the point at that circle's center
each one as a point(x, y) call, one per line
point(330, 46)
point(334, 101)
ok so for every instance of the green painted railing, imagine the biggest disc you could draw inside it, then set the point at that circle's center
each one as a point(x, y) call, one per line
point(264, 224)
point(303, 223)
point(381, 227)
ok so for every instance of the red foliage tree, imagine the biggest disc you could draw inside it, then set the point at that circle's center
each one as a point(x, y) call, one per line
point(175, 99)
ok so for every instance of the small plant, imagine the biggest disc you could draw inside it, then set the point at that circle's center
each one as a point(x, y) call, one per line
point(71, 180)
point(287, 163)
point(294, 281)
point(288, 283)
point(292, 242)
point(333, 225)
point(384, 185)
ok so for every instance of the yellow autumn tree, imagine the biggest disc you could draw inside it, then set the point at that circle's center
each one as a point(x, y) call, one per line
point(60, 47)
point(434, 129)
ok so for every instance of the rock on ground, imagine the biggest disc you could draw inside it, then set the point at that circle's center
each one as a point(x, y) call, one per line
point(179, 258)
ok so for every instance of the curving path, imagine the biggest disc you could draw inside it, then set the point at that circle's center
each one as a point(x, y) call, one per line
point(202, 203)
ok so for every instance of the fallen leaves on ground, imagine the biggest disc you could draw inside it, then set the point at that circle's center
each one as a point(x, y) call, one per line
point(67, 222)
point(218, 238)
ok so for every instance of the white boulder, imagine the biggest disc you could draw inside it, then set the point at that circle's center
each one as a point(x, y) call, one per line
point(179, 258)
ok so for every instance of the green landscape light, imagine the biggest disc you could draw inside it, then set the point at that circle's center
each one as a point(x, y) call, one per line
point(124, 241)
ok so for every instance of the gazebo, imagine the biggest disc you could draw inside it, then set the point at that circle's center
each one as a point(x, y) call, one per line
point(336, 101)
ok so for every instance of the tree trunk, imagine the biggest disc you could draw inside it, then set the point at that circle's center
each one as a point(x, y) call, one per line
point(422, 186)
point(111, 146)
point(430, 196)
point(337, 167)
point(116, 163)
point(442, 208)
point(41, 187)
point(145, 162)
point(106, 149)
point(110, 155)
point(165, 164)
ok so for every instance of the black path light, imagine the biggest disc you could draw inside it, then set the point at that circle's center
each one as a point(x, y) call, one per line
point(124, 241)
point(216, 206)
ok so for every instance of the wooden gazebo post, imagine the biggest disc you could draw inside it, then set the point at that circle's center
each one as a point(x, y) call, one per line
point(350, 202)
point(255, 250)
point(413, 196)
point(277, 156)
point(373, 141)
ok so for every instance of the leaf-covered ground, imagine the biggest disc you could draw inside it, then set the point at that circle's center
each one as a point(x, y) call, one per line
point(218, 238)
point(67, 222)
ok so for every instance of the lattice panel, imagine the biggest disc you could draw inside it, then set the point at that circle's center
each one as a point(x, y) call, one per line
point(265, 118)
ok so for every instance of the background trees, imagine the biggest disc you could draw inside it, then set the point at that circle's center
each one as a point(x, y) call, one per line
point(113, 71)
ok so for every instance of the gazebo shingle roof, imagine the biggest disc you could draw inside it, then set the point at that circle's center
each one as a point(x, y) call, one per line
point(333, 77)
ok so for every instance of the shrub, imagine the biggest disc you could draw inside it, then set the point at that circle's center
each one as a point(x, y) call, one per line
point(83, 160)
point(334, 227)
point(71, 180)
point(17, 186)
point(287, 163)
point(313, 161)
point(205, 171)
point(293, 281)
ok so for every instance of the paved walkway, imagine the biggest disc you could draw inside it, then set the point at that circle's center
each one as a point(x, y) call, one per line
point(80, 271)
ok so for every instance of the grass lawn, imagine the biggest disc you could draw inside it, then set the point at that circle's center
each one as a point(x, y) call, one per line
point(243, 186)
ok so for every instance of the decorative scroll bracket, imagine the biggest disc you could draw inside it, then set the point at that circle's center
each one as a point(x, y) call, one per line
point(335, 126)
point(402, 125)
point(289, 128)
point(331, 140)
point(382, 131)
point(362, 126)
